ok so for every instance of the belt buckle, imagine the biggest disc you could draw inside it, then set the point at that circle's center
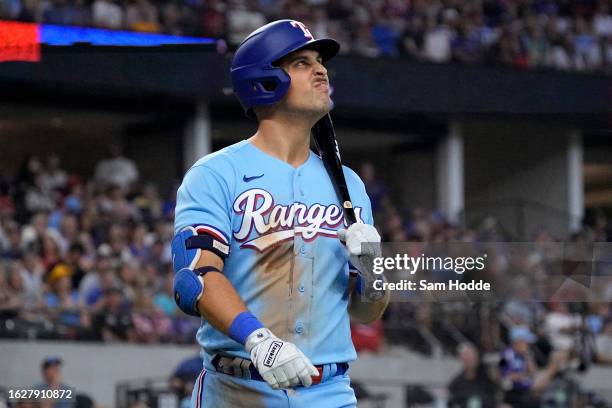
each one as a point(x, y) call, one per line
point(317, 379)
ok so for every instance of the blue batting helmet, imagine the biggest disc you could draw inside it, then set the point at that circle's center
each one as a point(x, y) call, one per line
point(256, 80)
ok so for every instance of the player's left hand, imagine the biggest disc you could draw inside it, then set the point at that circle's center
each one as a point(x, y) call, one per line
point(358, 234)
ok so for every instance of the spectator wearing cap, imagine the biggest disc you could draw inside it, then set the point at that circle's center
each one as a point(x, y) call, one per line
point(52, 380)
point(62, 300)
point(520, 377)
point(518, 368)
point(184, 377)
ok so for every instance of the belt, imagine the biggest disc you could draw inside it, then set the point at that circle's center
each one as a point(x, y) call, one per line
point(240, 367)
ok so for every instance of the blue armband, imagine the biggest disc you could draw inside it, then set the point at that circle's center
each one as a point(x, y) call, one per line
point(188, 244)
point(243, 325)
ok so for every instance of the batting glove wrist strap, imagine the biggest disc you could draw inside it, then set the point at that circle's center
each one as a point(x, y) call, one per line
point(280, 363)
point(243, 326)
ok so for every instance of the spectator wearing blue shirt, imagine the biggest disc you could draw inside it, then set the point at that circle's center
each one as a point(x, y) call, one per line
point(52, 380)
point(62, 299)
point(520, 377)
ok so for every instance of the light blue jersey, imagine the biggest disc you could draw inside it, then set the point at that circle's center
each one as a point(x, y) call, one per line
point(286, 261)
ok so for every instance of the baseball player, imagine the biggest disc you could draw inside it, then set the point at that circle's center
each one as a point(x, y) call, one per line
point(261, 248)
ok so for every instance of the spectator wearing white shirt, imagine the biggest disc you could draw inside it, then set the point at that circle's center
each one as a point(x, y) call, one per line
point(53, 176)
point(107, 14)
point(562, 327)
point(242, 18)
point(32, 272)
point(602, 21)
point(561, 55)
point(437, 41)
point(116, 170)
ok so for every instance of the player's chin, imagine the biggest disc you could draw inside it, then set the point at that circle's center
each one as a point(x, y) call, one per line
point(324, 105)
point(322, 111)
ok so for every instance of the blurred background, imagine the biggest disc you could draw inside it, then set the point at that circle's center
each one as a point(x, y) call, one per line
point(473, 121)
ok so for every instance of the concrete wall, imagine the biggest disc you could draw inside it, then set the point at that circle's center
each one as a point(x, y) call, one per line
point(517, 173)
point(96, 368)
point(91, 368)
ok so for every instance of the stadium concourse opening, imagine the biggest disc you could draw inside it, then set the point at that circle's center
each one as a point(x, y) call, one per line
point(81, 135)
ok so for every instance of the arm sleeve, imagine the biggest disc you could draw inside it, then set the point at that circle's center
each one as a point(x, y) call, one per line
point(359, 195)
point(203, 200)
point(368, 218)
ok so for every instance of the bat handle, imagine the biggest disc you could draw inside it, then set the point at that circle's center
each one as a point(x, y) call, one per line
point(349, 212)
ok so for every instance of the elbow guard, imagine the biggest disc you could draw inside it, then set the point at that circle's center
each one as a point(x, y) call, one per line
point(187, 247)
point(189, 287)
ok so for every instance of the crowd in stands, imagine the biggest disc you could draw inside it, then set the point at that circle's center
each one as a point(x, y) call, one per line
point(89, 259)
point(570, 35)
point(539, 327)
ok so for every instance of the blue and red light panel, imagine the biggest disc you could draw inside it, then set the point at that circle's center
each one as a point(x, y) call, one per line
point(22, 41)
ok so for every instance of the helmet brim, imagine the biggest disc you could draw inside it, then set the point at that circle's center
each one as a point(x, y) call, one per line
point(326, 47)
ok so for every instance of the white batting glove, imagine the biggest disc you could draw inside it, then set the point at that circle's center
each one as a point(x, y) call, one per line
point(363, 244)
point(358, 234)
point(279, 362)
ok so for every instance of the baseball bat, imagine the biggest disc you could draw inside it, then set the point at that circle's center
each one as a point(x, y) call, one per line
point(324, 136)
point(326, 143)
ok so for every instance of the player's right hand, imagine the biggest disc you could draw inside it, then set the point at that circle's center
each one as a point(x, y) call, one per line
point(280, 363)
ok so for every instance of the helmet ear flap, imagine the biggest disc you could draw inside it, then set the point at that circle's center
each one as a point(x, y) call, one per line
point(265, 86)
point(262, 87)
